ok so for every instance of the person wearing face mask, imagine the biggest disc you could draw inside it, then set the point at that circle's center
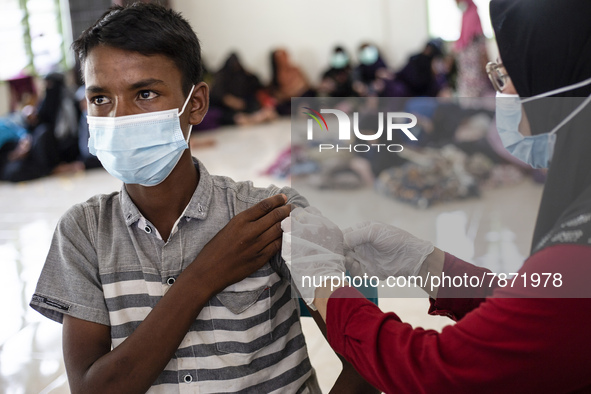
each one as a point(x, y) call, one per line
point(535, 150)
point(512, 334)
point(174, 284)
point(337, 81)
point(371, 74)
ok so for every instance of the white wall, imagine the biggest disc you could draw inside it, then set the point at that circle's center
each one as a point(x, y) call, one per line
point(307, 28)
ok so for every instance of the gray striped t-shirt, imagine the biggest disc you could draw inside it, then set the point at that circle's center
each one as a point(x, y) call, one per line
point(107, 264)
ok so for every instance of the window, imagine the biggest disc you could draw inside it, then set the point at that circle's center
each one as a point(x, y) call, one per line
point(445, 19)
point(34, 36)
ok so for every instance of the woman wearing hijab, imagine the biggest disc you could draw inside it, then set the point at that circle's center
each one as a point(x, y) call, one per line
point(417, 78)
point(337, 81)
point(371, 74)
point(526, 333)
point(287, 81)
point(52, 147)
point(236, 91)
point(471, 54)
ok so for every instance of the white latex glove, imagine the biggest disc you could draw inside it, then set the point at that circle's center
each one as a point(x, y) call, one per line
point(381, 250)
point(312, 248)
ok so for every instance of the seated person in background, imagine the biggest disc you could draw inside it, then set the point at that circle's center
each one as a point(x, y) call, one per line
point(337, 81)
point(175, 282)
point(23, 91)
point(236, 92)
point(287, 81)
point(15, 141)
point(371, 74)
point(59, 113)
point(51, 147)
point(418, 77)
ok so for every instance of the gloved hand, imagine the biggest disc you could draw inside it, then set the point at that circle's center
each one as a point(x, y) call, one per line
point(312, 249)
point(381, 250)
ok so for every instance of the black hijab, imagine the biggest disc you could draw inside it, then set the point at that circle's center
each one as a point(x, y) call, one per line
point(234, 79)
point(546, 45)
point(50, 105)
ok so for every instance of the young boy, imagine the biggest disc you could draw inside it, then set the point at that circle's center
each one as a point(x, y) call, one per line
point(165, 286)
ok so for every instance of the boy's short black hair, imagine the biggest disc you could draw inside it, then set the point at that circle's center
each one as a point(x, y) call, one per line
point(149, 29)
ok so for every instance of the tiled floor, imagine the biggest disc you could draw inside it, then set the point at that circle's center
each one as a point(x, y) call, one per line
point(494, 230)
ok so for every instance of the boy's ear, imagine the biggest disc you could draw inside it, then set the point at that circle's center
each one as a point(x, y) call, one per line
point(199, 103)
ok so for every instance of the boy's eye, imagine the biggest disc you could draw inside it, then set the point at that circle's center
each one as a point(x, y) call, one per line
point(147, 95)
point(99, 100)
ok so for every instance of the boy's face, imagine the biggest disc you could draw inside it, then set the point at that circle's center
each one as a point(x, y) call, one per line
point(120, 82)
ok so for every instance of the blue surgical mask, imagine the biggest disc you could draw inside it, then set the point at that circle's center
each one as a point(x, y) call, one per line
point(369, 55)
point(535, 150)
point(142, 148)
point(339, 60)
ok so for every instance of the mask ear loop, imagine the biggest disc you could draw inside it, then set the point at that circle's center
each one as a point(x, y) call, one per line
point(562, 90)
point(187, 100)
point(572, 115)
point(183, 110)
point(558, 91)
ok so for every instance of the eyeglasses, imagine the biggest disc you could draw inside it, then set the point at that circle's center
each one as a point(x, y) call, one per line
point(497, 75)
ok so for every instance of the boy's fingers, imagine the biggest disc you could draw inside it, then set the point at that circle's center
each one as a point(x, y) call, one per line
point(276, 216)
point(271, 249)
point(272, 234)
point(264, 207)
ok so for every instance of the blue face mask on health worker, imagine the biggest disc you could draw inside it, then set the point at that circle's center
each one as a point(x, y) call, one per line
point(535, 150)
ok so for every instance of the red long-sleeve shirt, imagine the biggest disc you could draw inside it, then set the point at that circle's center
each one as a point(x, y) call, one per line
point(504, 343)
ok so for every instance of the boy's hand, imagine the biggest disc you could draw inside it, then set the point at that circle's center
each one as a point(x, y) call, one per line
point(244, 245)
